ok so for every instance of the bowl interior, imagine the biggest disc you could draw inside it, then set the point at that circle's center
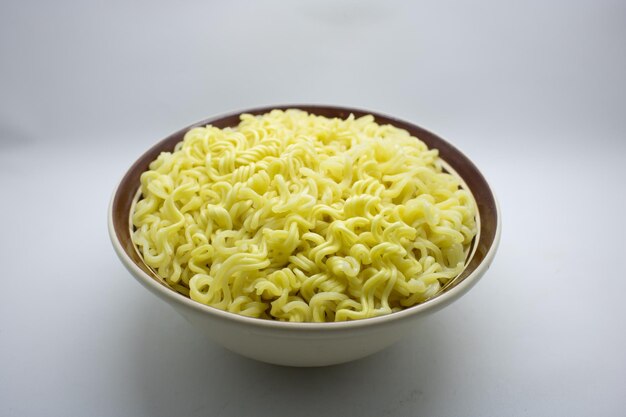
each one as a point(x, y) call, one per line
point(128, 188)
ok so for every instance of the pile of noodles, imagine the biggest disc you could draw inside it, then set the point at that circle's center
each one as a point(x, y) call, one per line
point(298, 217)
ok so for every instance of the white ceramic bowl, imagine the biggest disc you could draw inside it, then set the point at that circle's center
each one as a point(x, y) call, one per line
point(307, 344)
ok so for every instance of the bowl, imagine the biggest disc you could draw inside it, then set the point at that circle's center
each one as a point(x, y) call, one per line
point(308, 344)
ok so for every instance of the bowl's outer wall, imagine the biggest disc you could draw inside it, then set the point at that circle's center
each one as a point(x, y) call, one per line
point(280, 348)
point(293, 346)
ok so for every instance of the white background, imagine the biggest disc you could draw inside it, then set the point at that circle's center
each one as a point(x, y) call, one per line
point(533, 92)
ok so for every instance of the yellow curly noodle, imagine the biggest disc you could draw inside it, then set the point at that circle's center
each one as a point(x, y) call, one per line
point(298, 217)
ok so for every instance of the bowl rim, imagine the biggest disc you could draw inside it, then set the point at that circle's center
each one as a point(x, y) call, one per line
point(428, 306)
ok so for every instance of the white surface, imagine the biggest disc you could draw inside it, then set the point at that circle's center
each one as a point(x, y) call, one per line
point(533, 93)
